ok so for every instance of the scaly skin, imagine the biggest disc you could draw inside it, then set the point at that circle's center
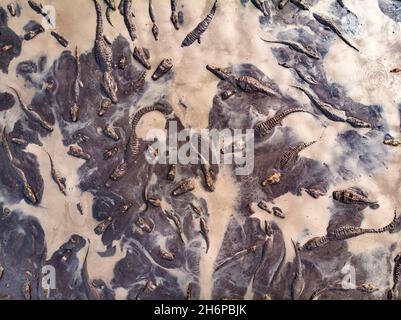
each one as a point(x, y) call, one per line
point(104, 57)
point(290, 157)
point(344, 233)
point(349, 196)
point(264, 127)
point(196, 33)
point(251, 85)
point(142, 56)
point(163, 68)
point(184, 186)
point(132, 148)
point(128, 19)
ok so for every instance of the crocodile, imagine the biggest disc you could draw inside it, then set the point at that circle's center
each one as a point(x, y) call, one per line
point(104, 57)
point(142, 224)
point(344, 233)
point(188, 294)
point(267, 247)
point(105, 105)
point(111, 6)
point(196, 33)
point(305, 76)
point(390, 141)
point(235, 256)
point(118, 172)
point(60, 39)
point(278, 212)
point(27, 290)
point(227, 94)
point(351, 195)
point(251, 85)
point(38, 8)
point(164, 67)
point(184, 186)
point(357, 123)
point(27, 188)
point(132, 148)
point(122, 62)
point(172, 172)
point(208, 175)
point(204, 231)
point(290, 157)
point(308, 51)
point(264, 206)
point(174, 14)
point(19, 141)
point(32, 114)
point(221, 73)
point(262, 128)
point(74, 109)
point(147, 289)
point(6, 47)
point(300, 4)
point(176, 221)
point(298, 282)
point(327, 109)
point(60, 181)
point(167, 255)
point(77, 152)
point(272, 179)
point(111, 132)
point(195, 208)
point(12, 9)
point(155, 28)
point(110, 152)
point(33, 33)
point(393, 291)
point(102, 226)
point(314, 243)
point(142, 56)
point(129, 19)
point(328, 22)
